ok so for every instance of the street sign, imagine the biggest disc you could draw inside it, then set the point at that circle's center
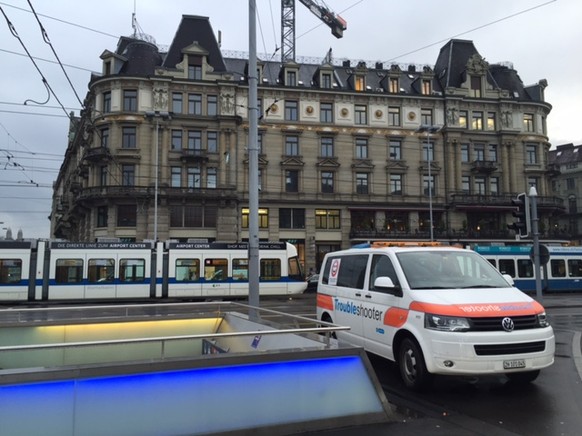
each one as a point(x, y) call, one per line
point(544, 255)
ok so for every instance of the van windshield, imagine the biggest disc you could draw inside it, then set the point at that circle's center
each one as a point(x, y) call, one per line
point(448, 269)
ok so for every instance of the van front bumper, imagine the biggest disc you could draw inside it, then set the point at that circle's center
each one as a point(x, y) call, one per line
point(489, 353)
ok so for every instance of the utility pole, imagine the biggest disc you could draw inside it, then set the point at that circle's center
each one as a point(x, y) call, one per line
point(536, 240)
point(157, 115)
point(253, 165)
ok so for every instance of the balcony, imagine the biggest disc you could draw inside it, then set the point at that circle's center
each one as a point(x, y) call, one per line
point(194, 155)
point(75, 187)
point(483, 166)
point(113, 192)
point(462, 200)
point(551, 204)
point(553, 170)
point(97, 155)
point(440, 234)
point(117, 192)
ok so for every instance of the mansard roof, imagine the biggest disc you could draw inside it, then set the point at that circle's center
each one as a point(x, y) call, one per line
point(457, 60)
point(565, 154)
point(141, 58)
point(451, 64)
point(194, 28)
point(343, 75)
point(452, 69)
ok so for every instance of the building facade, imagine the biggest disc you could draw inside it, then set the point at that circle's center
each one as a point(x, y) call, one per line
point(565, 171)
point(345, 155)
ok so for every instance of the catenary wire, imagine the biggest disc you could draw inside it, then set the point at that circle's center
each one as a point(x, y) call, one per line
point(47, 40)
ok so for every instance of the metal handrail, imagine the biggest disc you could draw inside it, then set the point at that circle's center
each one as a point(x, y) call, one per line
point(323, 326)
point(330, 328)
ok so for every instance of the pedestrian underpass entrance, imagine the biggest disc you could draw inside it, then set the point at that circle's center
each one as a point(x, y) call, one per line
point(192, 368)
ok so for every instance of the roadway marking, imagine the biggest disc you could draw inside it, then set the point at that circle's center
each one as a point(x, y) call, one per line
point(577, 352)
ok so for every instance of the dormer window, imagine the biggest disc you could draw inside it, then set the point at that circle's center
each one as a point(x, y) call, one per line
point(394, 87)
point(475, 90)
point(195, 72)
point(291, 78)
point(360, 83)
point(326, 81)
point(426, 87)
point(107, 68)
point(260, 74)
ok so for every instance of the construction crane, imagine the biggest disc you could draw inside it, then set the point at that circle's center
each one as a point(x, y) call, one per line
point(320, 10)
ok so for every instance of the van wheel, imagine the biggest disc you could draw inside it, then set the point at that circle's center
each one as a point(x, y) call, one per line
point(412, 367)
point(327, 318)
point(523, 377)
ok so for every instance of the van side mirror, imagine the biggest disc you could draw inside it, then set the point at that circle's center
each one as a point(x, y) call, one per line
point(385, 284)
point(508, 279)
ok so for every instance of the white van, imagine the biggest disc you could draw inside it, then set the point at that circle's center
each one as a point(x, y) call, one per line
point(434, 310)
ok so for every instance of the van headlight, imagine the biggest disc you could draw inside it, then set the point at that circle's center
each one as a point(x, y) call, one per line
point(446, 323)
point(543, 320)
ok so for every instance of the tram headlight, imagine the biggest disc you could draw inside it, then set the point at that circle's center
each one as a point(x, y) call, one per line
point(446, 323)
point(543, 320)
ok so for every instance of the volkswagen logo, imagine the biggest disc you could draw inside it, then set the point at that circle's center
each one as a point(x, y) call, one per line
point(507, 324)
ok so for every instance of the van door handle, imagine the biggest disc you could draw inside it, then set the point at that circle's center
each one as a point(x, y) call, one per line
point(368, 296)
point(358, 294)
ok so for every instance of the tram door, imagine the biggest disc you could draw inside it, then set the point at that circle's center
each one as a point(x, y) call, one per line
point(215, 275)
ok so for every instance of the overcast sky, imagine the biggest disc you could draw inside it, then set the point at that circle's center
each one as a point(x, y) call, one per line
point(540, 38)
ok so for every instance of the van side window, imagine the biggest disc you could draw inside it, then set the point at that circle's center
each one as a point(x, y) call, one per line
point(352, 271)
point(382, 267)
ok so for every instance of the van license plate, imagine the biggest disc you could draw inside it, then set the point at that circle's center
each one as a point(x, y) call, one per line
point(512, 364)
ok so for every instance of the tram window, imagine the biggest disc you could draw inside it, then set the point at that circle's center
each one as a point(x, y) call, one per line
point(492, 262)
point(216, 269)
point(240, 269)
point(187, 270)
point(507, 266)
point(10, 270)
point(270, 269)
point(295, 271)
point(524, 268)
point(132, 270)
point(69, 271)
point(101, 270)
point(558, 267)
point(575, 267)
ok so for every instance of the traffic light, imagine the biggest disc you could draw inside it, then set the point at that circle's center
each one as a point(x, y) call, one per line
point(522, 225)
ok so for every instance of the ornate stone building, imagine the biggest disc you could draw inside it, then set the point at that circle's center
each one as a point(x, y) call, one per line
point(565, 171)
point(342, 159)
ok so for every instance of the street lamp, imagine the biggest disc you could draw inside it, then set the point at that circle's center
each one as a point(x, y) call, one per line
point(428, 130)
point(157, 115)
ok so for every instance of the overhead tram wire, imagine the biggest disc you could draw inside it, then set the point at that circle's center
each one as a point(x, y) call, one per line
point(273, 25)
point(472, 30)
point(63, 21)
point(9, 103)
point(44, 80)
point(46, 60)
point(68, 115)
point(47, 41)
point(34, 113)
point(13, 164)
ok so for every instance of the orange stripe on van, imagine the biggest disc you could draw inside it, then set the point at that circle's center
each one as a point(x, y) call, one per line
point(395, 317)
point(324, 301)
point(480, 309)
